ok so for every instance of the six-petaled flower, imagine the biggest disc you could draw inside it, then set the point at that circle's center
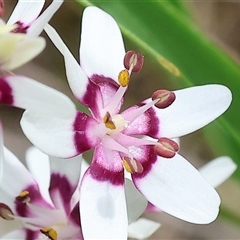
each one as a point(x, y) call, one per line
point(138, 139)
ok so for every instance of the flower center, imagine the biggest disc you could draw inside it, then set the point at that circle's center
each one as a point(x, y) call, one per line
point(115, 139)
point(114, 124)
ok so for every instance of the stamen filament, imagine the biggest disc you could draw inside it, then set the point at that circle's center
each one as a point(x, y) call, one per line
point(111, 144)
point(134, 141)
point(132, 115)
point(115, 101)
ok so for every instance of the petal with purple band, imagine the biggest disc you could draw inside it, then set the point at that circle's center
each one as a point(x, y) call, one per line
point(147, 123)
point(102, 49)
point(52, 135)
point(94, 94)
point(23, 92)
point(38, 164)
point(176, 187)
point(103, 206)
point(65, 177)
point(37, 27)
point(26, 12)
point(107, 165)
point(16, 178)
point(99, 94)
point(193, 108)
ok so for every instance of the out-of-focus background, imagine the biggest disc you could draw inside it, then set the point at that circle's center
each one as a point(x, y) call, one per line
point(220, 21)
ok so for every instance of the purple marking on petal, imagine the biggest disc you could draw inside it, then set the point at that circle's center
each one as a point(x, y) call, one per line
point(102, 174)
point(75, 219)
point(20, 28)
point(99, 92)
point(75, 215)
point(154, 122)
point(81, 124)
point(31, 235)
point(147, 123)
point(66, 190)
point(35, 198)
point(62, 184)
point(6, 96)
point(147, 163)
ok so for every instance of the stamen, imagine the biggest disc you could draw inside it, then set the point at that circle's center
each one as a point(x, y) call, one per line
point(133, 61)
point(111, 144)
point(132, 115)
point(23, 197)
point(5, 212)
point(132, 166)
point(165, 98)
point(49, 232)
point(123, 78)
point(166, 148)
point(108, 121)
point(115, 101)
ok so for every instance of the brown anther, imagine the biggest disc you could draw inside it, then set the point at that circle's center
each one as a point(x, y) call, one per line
point(133, 61)
point(132, 166)
point(23, 197)
point(5, 212)
point(165, 98)
point(123, 78)
point(49, 232)
point(108, 121)
point(166, 148)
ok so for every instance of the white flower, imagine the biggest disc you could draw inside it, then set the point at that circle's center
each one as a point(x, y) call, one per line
point(19, 39)
point(164, 177)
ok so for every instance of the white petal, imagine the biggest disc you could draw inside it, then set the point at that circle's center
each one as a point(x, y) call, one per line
point(142, 228)
point(70, 168)
point(102, 49)
point(65, 170)
point(38, 164)
point(15, 176)
point(77, 78)
point(136, 202)
point(32, 95)
point(37, 27)
point(14, 45)
point(176, 187)
point(218, 170)
point(84, 167)
point(50, 134)
point(7, 226)
point(103, 209)
point(26, 11)
point(17, 234)
point(193, 108)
